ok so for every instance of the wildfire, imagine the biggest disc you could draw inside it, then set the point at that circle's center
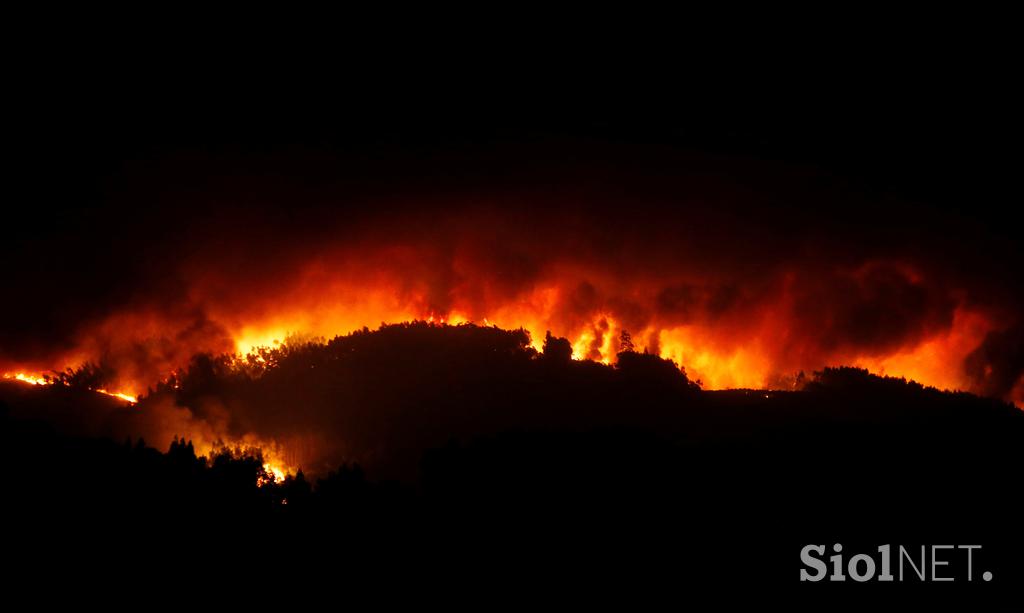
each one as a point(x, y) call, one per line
point(30, 379)
point(249, 341)
point(274, 466)
point(126, 397)
point(274, 471)
point(40, 380)
point(724, 334)
point(716, 362)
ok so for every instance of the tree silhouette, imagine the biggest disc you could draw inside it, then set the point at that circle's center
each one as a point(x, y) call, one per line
point(557, 350)
point(625, 342)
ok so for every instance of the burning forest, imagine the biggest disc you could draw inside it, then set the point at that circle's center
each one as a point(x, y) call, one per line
point(438, 318)
point(734, 298)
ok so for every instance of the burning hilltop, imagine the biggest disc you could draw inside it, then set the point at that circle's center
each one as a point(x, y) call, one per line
point(744, 274)
point(380, 398)
point(755, 325)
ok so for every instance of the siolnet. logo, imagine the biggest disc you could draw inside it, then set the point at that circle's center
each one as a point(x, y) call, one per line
point(930, 563)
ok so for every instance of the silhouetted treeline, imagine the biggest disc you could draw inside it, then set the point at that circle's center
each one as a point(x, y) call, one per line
point(530, 467)
point(382, 397)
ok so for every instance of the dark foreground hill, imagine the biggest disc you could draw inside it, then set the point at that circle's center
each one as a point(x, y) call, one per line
point(513, 473)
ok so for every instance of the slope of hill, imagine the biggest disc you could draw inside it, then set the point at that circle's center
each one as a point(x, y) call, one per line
point(464, 445)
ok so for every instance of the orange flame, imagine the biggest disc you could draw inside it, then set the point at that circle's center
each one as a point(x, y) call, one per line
point(762, 344)
point(30, 379)
point(40, 380)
